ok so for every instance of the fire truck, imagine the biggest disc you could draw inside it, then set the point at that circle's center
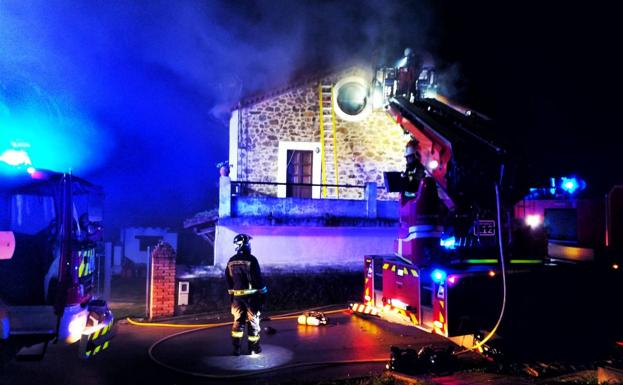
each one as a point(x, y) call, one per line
point(50, 230)
point(481, 254)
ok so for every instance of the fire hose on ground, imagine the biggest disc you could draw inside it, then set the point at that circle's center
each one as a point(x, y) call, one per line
point(200, 327)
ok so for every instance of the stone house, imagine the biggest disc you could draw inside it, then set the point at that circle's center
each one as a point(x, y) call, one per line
point(356, 143)
point(306, 173)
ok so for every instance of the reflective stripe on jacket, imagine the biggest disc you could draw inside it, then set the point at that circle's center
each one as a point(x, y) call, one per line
point(244, 276)
point(238, 293)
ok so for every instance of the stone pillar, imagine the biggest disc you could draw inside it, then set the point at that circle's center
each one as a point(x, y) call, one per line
point(371, 200)
point(224, 199)
point(162, 282)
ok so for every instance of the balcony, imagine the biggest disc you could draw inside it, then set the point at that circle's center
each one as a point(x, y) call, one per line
point(241, 204)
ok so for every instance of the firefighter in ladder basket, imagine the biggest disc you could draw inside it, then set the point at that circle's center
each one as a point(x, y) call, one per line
point(247, 293)
point(414, 172)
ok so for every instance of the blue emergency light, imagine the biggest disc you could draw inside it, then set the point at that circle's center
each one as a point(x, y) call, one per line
point(571, 185)
point(438, 275)
point(448, 243)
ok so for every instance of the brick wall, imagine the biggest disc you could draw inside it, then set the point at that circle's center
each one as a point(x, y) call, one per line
point(162, 300)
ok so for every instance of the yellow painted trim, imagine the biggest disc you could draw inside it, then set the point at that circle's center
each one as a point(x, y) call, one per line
point(414, 319)
point(323, 167)
point(334, 129)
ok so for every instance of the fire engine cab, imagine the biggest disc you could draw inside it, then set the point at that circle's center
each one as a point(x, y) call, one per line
point(49, 236)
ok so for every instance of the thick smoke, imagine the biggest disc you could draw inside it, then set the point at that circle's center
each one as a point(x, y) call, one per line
point(155, 80)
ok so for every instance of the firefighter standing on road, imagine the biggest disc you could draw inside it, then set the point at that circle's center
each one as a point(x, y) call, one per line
point(247, 292)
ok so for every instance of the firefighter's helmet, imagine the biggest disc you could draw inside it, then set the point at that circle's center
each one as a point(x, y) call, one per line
point(412, 149)
point(242, 242)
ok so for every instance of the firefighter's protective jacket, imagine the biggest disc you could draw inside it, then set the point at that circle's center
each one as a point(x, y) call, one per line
point(244, 276)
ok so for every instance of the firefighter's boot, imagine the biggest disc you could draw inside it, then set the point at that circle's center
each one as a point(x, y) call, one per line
point(254, 345)
point(236, 344)
point(236, 338)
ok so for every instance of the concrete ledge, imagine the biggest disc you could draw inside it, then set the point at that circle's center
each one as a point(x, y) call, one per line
point(306, 207)
point(326, 221)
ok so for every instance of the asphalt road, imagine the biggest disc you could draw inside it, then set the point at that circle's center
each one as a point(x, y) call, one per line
point(200, 356)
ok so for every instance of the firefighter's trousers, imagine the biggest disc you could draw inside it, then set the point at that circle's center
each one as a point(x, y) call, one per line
point(246, 311)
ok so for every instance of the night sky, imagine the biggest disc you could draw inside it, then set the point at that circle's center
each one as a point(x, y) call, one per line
point(135, 95)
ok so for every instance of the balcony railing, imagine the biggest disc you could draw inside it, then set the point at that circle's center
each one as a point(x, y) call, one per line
point(319, 191)
point(245, 200)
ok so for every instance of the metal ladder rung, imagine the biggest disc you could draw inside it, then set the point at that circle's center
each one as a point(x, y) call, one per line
point(327, 120)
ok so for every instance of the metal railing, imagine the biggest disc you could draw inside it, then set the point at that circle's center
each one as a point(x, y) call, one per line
point(362, 186)
point(241, 188)
point(237, 199)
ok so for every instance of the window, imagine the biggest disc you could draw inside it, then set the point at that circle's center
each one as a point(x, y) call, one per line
point(352, 98)
point(300, 165)
point(562, 224)
point(301, 168)
point(146, 241)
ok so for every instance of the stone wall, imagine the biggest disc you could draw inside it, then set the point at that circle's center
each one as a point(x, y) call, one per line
point(287, 290)
point(368, 148)
point(291, 116)
point(364, 149)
